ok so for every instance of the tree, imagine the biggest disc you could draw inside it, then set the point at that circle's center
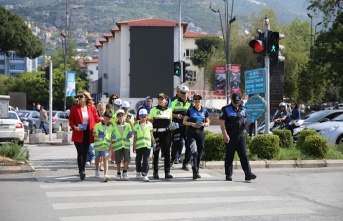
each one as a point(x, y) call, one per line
point(329, 8)
point(205, 47)
point(16, 36)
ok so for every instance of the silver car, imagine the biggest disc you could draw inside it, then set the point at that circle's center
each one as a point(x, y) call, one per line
point(320, 117)
point(30, 119)
point(60, 120)
point(12, 129)
point(331, 130)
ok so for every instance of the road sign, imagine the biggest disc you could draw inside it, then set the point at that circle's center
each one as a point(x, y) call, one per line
point(254, 81)
point(255, 107)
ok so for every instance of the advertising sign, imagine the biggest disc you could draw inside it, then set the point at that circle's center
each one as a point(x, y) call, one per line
point(70, 87)
point(220, 75)
point(235, 78)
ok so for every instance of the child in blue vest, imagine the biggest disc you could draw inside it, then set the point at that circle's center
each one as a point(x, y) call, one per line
point(142, 141)
point(102, 141)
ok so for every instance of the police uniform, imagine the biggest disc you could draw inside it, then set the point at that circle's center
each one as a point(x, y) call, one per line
point(235, 128)
point(196, 137)
point(180, 107)
point(161, 119)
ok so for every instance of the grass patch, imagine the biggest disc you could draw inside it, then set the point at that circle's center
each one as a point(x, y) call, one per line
point(14, 151)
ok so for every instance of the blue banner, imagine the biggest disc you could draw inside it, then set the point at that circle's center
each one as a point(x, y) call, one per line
point(70, 87)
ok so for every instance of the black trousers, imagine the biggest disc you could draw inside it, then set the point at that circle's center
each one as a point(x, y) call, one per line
point(196, 143)
point(143, 154)
point(82, 150)
point(236, 144)
point(178, 136)
point(163, 142)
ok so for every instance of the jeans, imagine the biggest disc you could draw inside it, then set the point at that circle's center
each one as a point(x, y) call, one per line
point(236, 144)
point(143, 153)
point(197, 143)
point(42, 125)
point(90, 153)
point(179, 137)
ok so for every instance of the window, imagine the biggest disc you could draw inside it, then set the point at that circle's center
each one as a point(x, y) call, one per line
point(192, 76)
point(96, 67)
point(189, 53)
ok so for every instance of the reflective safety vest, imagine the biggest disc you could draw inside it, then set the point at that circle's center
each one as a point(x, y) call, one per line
point(102, 143)
point(143, 140)
point(121, 140)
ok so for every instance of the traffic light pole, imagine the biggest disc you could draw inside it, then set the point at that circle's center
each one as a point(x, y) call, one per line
point(267, 92)
point(50, 102)
point(180, 44)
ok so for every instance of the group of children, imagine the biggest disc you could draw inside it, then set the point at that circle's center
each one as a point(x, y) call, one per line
point(114, 133)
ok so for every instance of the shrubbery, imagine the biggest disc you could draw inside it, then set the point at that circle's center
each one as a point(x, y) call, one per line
point(286, 139)
point(265, 146)
point(14, 151)
point(316, 146)
point(302, 136)
point(214, 147)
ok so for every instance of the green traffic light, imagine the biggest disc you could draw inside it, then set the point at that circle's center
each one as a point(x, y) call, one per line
point(273, 49)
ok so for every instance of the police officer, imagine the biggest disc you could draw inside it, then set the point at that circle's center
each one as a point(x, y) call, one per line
point(179, 107)
point(196, 119)
point(162, 117)
point(232, 125)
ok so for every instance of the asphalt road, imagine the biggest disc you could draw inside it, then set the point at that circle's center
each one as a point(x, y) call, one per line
point(54, 192)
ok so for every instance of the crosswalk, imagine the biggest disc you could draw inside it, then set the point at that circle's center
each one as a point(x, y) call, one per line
point(208, 198)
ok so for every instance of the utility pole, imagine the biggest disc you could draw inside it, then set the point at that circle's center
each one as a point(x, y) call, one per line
point(180, 43)
point(267, 84)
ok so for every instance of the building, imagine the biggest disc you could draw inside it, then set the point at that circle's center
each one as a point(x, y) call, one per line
point(13, 65)
point(141, 53)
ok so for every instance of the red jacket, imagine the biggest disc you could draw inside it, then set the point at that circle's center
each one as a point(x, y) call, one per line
point(75, 118)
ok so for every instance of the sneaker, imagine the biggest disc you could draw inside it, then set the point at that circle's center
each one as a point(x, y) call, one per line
point(106, 178)
point(118, 177)
point(139, 175)
point(93, 162)
point(250, 176)
point(125, 177)
point(88, 163)
point(168, 176)
point(156, 176)
point(97, 174)
point(113, 162)
point(228, 178)
point(101, 167)
point(185, 166)
point(176, 161)
point(82, 175)
point(145, 178)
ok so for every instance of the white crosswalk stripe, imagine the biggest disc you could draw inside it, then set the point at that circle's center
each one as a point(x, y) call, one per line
point(213, 198)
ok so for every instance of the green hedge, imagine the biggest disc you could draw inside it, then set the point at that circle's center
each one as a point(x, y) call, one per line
point(302, 136)
point(316, 146)
point(214, 149)
point(286, 139)
point(265, 146)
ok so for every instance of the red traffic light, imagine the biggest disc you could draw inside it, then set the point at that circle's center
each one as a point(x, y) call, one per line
point(257, 46)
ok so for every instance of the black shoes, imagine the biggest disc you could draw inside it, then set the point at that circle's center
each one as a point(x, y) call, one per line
point(228, 178)
point(82, 175)
point(168, 176)
point(155, 175)
point(250, 176)
point(185, 166)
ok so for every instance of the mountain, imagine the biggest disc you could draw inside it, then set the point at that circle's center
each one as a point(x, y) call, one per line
point(100, 16)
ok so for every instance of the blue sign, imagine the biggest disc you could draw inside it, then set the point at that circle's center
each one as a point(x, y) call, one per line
point(70, 87)
point(254, 81)
point(255, 107)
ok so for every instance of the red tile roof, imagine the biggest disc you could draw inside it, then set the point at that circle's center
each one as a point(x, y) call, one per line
point(98, 45)
point(191, 34)
point(107, 36)
point(102, 40)
point(153, 22)
point(94, 60)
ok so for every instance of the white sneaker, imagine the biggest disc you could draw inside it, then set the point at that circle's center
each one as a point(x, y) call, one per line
point(101, 167)
point(125, 177)
point(88, 163)
point(145, 178)
point(93, 162)
point(139, 175)
point(118, 177)
point(106, 178)
point(97, 174)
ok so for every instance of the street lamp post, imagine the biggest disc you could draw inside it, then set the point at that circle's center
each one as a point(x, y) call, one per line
point(315, 29)
point(311, 17)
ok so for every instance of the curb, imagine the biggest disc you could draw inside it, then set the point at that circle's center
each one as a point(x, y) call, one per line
point(24, 168)
point(278, 164)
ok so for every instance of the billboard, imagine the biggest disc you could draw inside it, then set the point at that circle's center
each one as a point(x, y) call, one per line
point(235, 78)
point(70, 87)
point(220, 77)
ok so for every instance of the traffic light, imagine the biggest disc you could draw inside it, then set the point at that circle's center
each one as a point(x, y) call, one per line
point(258, 44)
point(186, 73)
point(46, 75)
point(274, 48)
point(177, 68)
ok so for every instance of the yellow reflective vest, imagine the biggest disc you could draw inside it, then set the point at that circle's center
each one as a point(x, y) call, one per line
point(102, 143)
point(121, 140)
point(143, 139)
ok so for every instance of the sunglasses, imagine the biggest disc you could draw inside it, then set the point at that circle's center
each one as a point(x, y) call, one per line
point(79, 96)
point(196, 99)
point(183, 92)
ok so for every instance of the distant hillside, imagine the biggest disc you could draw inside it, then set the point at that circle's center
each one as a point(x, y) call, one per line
point(101, 15)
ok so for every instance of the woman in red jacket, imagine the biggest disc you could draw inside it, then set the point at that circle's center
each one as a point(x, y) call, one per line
point(82, 119)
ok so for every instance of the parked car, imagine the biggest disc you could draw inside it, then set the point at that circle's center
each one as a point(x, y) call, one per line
point(320, 117)
point(331, 130)
point(60, 120)
point(10, 108)
point(12, 129)
point(30, 119)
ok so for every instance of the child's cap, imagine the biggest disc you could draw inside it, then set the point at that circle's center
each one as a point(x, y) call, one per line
point(143, 112)
point(118, 102)
point(108, 114)
point(108, 106)
point(120, 111)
